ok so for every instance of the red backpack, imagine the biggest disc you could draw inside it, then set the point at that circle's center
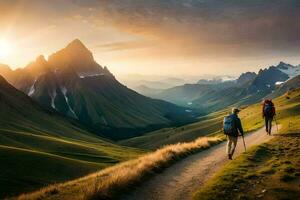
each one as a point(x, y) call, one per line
point(268, 108)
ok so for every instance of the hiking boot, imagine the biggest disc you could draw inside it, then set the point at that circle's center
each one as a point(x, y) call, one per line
point(229, 156)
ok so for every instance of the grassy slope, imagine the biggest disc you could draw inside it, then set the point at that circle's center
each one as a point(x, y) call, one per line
point(210, 124)
point(39, 147)
point(268, 171)
point(112, 182)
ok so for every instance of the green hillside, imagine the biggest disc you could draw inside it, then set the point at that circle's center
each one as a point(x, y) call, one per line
point(208, 125)
point(272, 169)
point(39, 147)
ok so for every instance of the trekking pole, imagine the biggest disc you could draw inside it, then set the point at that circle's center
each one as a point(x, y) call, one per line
point(276, 123)
point(244, 142)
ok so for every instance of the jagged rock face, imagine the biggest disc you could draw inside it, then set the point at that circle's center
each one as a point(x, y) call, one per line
point(246, 78)
point(288, 69)
point(290, 84)
point(247, 89)
point(283, 65)
point(39, 66)
point(266, 79)
point(78, 58)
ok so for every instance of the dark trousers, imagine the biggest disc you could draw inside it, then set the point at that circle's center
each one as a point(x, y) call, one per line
point(268, 124)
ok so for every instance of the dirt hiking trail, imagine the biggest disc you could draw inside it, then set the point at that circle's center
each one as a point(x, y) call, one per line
point(179, 181)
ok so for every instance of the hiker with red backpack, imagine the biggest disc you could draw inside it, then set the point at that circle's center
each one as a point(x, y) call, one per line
point(268, 112)
point(232, 127)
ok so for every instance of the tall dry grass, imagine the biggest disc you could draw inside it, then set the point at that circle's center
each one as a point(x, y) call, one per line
point(113, 181)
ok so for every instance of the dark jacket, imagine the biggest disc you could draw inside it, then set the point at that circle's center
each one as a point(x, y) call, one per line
point(238, 126)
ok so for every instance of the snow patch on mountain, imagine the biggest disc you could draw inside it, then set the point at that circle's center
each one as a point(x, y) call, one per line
point(91, 75)
point(53, 96)
point(64, 91)
point(288, 69)
point(32, 89)
point(279, 82)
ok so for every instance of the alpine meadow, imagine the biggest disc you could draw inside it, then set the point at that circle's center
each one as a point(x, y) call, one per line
point(153, 100)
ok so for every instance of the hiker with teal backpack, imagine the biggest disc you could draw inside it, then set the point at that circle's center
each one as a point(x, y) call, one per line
point(232, 127)
point(268, 113)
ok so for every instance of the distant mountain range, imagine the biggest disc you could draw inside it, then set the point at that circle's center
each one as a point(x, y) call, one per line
point(150, 85)
point(72, 83)
point(211, 95)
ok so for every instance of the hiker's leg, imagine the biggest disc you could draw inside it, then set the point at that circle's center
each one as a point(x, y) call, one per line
point(270, 125)
point(234, 141)
point(266, 124)
point(229, 148)
point(229, 143)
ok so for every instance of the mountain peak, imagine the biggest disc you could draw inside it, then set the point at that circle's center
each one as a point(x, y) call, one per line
point(41, 59)
point(39, 66)
point(76, 41)
point(246, 77)
point(77, 57)
point(76, 44)
point(73, 52)
point(283, 65)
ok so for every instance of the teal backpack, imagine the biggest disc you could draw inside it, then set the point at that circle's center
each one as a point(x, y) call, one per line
point(228, 125)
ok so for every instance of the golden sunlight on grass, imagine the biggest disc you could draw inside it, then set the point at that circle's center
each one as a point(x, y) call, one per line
point(112, 181)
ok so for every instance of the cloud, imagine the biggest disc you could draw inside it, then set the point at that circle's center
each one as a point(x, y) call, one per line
point(141, 31)
point(255, 24)
point(125, 45)
point(261, 24)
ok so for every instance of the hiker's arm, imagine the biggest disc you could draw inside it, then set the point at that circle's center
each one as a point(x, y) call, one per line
point(263, 111)
point(239, 126)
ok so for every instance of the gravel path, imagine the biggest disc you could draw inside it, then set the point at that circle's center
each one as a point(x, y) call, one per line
point(179, 181)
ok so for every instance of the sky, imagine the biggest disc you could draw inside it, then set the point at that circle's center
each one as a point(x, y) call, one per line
point(156, 37)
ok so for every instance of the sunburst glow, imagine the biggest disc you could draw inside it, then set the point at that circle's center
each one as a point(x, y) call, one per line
point(5, 48)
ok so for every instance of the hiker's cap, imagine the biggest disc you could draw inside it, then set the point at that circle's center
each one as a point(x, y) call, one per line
point(235, 110)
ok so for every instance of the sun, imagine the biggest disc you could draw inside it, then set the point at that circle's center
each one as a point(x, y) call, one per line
point(5, 48)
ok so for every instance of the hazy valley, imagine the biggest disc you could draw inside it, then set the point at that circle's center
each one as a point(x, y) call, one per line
point(152, 100)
